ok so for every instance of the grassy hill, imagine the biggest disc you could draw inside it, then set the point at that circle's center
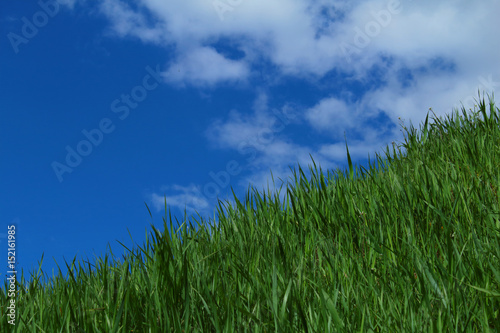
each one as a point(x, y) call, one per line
point(415, 248)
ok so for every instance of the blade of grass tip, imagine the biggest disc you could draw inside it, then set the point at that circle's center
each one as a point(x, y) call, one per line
point(493, 112)
point(239, 205)
point(165, 198)
point(482, 108)
point(148, 209)
point(315, 167)
point(70, 271)
point(351, 170)
point(303, 178)
point(40, 265)
point(425, 131)
point(126, 248)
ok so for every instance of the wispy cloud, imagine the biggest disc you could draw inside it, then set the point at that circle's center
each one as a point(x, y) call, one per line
point(203, 66)
point(185, 197)
point(128, 21)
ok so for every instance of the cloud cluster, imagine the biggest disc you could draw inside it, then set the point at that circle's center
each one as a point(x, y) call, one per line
point(408, 55)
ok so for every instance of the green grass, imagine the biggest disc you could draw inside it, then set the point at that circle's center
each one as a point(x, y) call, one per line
point(415, 248)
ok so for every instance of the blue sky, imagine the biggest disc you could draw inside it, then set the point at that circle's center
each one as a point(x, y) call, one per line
point(107, 105)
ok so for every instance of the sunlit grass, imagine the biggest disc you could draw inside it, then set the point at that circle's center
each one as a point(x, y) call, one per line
point(415, 248)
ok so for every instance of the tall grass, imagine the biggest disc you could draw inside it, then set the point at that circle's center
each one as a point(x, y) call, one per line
point(411, 246)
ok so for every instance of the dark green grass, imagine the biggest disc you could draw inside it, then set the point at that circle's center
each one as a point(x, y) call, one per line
point(415, 248)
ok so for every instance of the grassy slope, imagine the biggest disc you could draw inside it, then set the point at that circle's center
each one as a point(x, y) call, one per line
point(413, 249)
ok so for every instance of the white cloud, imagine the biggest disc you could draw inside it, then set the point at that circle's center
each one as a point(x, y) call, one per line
point(126, 21)
point(331, 114)
point(204, 66)
point(255, 130)
point(304, 38)
point(187, 197)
